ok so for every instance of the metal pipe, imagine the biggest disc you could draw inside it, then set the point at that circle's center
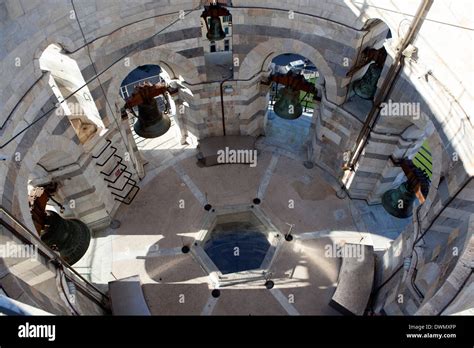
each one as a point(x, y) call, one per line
point(222, 100)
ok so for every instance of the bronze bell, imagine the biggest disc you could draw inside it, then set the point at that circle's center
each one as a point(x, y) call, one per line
point(367, 85)
point(288, 106)
point(215, 32)
point(71, 237)
point(151, 123)
point(399, 202)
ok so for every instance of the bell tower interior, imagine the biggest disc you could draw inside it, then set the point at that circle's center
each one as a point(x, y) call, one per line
point(224, 157)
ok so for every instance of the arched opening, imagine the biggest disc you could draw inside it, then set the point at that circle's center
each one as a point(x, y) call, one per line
point(417, 168)
point(217, 40)
point(59, 204)
point(290, 115)
point(67, 82)
point(369, 69)
point(175, 138)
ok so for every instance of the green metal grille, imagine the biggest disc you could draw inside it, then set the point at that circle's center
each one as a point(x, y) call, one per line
point(423, 159)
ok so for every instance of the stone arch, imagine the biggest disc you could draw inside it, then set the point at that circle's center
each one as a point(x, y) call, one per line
point(377, 20)
point(371, 15)
point(438, 156)
point(173, 63)
point(261, 55)
point(272, 123)
point(372, 38)
point(53, 144)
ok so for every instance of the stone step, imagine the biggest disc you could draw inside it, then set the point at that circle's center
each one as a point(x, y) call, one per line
point(126, 297)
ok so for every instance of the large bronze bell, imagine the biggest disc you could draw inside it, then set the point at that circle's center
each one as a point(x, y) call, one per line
point(367, 85)
point(215, 31)
point(151, 123)
point(288, 106)
point(71, 237)
point(399, 202)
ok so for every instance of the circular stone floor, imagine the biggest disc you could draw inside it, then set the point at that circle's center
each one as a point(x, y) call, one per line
point(168, 213)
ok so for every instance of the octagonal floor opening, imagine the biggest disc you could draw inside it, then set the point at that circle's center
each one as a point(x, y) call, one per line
point(237, 246)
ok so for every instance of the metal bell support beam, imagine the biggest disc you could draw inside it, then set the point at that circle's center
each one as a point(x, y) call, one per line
point(214, 27)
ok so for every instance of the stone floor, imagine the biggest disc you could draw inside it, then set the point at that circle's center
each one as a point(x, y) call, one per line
point(158, 151)
point(168, 213)
point(288, 135)
point(169, 210)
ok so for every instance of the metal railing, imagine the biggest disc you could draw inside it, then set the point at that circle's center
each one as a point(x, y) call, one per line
point(128, 197)
point(127, 90)
point(307, 102)
point(27, 236)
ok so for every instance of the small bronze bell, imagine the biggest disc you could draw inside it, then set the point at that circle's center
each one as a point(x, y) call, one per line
point(288, 106)
point(71, 237)
point(151, 123)
point(367, 85)
point(399, 202)
point(215, 32)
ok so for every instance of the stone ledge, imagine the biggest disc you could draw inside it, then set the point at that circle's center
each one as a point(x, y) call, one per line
point(355, 281)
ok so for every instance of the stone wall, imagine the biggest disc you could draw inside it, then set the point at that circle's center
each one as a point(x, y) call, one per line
point(122, 35)
point(28, 276)
point(425, 281)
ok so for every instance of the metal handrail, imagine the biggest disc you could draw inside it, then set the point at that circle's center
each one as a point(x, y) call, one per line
point(129, 181)
point(101, 298)
point(125, 87)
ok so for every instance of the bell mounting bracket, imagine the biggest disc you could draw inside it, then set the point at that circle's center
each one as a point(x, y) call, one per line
point(369, 55)
point(145, 93)
point(414, 183)
point(294, 81)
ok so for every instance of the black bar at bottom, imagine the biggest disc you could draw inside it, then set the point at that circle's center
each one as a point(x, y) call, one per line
point(449, 331)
